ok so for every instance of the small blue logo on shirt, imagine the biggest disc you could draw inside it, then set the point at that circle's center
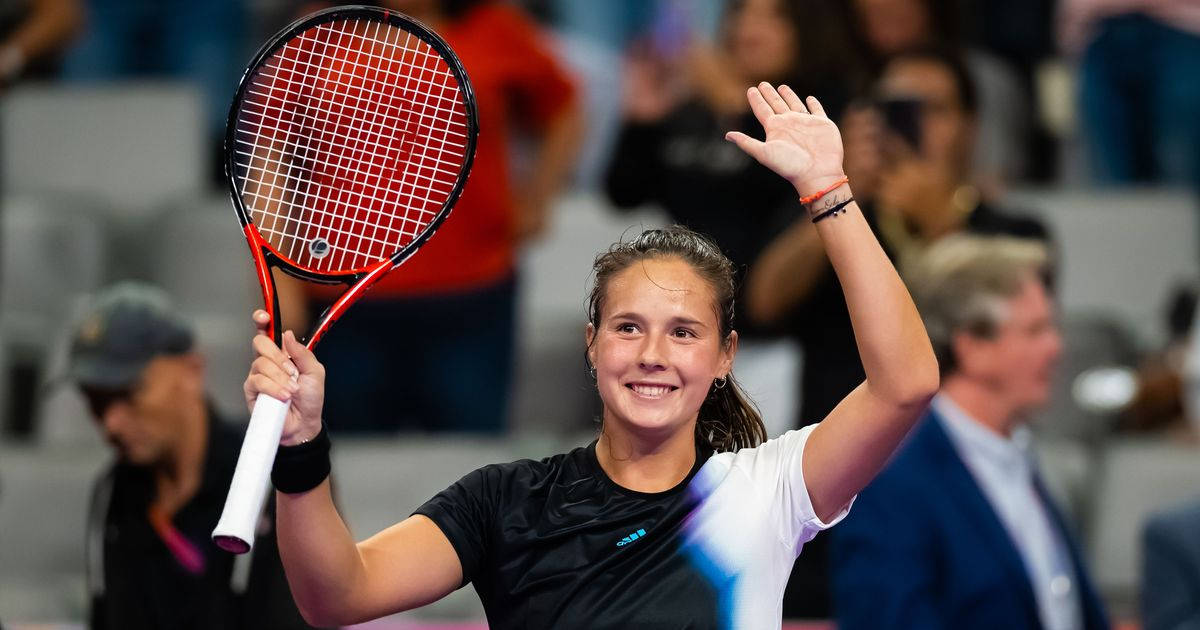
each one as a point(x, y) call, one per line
point(632, 537)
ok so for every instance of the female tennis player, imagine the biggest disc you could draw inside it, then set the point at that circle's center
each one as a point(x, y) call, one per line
point(681, 514)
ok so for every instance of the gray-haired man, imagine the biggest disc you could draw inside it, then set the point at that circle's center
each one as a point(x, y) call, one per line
point(958, 531)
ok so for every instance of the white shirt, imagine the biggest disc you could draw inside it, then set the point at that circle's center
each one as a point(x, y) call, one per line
point(752, 518)
point(1004, 469)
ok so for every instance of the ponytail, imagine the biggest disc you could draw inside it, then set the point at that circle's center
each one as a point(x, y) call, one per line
point(729, 420)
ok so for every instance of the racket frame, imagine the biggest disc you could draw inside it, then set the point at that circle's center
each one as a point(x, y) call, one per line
point(248, 489)
point(267, 257)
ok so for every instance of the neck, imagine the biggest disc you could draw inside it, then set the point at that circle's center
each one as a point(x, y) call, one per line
point(646, 463)
point(177, 476)
point(982, 404)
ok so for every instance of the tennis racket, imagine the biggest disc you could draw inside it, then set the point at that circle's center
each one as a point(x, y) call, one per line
point(349, 140)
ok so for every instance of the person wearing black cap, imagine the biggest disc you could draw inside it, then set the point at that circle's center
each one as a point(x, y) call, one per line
point(150, 561)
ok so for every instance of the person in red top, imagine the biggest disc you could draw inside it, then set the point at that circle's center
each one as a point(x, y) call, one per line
point(458, 292)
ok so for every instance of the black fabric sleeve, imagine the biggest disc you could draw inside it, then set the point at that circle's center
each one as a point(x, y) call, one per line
point(635, 172)
point(465, 513)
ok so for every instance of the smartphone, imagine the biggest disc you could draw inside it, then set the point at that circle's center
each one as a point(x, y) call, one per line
point(903, 117)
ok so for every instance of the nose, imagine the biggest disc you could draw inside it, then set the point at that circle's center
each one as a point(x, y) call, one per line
point(1056, 343)
point(113, 420)
point(651, 356)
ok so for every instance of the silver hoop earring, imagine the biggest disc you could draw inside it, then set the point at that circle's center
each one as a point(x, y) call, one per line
point(719, 383)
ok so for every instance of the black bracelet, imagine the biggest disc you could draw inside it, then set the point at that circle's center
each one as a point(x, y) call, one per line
point(840, 207)
point(302, 467)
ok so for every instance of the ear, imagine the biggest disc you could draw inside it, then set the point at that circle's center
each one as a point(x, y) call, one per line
point(972, 354)
point(589, 335)
point(191, 369)
point(728, 354)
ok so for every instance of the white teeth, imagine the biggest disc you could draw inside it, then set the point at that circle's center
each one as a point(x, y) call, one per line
point(651, 390)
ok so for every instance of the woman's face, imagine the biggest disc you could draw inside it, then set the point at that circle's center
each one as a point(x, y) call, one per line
point(658, 346)
point(762, 42)
point(893, 26)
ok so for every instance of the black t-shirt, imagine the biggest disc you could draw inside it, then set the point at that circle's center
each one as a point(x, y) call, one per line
point(138, 582)
point(557, 544)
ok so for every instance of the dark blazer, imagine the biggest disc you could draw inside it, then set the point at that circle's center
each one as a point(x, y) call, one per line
point(923, 549)
point(1171, 569)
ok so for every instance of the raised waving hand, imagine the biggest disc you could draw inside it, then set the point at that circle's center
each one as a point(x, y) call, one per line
point(802, 144)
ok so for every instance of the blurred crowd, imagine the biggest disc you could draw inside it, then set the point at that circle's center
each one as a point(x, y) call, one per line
point(944, 107)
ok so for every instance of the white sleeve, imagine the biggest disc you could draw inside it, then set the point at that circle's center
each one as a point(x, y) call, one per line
point(778, 467)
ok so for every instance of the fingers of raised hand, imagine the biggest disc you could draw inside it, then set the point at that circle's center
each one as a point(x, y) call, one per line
point(274, 371)
point(265, 348)
point(751, 146)
point(302, 357)
point(792, 99)
point(815, 107)
point(262, 384)
point(773, 99)
point(262, 320)
point(758, 105)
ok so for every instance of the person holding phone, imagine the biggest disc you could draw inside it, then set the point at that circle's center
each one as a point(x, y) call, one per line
point(908, 152)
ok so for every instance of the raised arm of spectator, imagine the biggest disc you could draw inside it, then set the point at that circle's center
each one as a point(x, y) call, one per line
point(855, 440)
point(47, 28)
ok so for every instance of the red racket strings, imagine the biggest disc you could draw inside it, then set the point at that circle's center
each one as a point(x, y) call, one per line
point(349, 142)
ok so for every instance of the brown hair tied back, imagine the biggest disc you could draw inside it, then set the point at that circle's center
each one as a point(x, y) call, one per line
point(728, 419)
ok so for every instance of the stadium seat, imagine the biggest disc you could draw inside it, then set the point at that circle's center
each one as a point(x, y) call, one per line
point(52, 252)
point(134, 145)
point(1139, 477)
point(1121, 251)
point(201, 259)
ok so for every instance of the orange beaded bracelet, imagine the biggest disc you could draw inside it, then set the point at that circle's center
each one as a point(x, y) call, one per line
point(817, 196)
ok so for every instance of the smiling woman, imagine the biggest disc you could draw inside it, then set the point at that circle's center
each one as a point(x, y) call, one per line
point(661, 331)
point(681, 514)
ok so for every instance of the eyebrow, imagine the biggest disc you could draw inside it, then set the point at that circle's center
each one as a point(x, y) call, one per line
point(675, 320)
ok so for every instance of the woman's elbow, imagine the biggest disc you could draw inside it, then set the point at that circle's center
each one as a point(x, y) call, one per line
point(913, 390)
point(317, 619)
point(323, 616)
point(922, 385)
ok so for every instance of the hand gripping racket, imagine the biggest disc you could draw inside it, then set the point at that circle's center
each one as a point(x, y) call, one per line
point(349, 140)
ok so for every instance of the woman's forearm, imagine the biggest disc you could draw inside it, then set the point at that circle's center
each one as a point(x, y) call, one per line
point(892, 343)
point(785, 273)
point(557, 154)
point(322, 562)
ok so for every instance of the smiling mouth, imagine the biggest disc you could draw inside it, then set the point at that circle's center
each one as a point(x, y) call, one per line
point(651, 391)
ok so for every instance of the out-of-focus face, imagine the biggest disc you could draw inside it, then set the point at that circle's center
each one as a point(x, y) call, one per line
point(893, 26)
point(947, 130)
point(1018, 363)
point(658, 347)
point(420, 9)
point(142, 424)
point(762, 42)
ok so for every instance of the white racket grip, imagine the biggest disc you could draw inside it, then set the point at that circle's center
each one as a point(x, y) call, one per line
point(252, 476)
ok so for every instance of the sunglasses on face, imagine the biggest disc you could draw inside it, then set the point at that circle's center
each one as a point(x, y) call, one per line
point(100, 399)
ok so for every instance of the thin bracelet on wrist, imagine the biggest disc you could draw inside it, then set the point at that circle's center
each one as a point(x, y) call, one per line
point(834, 210)
point(815, 197)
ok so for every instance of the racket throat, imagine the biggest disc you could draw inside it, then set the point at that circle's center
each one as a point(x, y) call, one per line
point(335, 310)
